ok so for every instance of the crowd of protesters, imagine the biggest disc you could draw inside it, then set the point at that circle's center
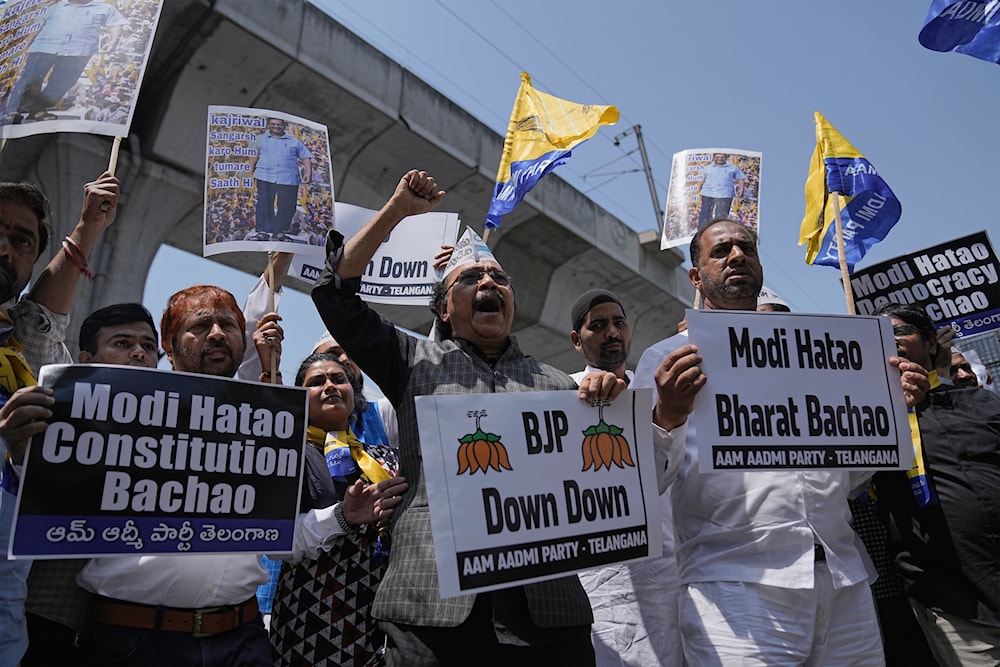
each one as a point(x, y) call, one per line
point(763, 567)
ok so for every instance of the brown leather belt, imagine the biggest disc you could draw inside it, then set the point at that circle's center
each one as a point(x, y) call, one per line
point(197, 622)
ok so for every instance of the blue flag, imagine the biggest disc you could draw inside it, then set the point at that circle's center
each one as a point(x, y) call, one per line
point(869, 208)
point(971, 27)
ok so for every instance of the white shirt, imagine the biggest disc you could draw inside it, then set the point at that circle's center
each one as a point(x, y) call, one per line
point(255, 307)
point(579, 375)
point(755, 527)
point(635, 604)
point(193, 581)
point(188, 581)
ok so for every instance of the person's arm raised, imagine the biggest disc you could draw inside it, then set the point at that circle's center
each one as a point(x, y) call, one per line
point(55, 287)
point(416, 193)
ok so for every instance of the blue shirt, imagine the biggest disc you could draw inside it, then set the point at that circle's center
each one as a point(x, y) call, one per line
point(278, 158)
point(719, 181)
point(75, 30)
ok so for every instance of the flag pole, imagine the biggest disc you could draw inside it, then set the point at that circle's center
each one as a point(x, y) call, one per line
point(270, 309)
point(486, 234)
point(113, 161)
point(112, 165)
point(845, 273)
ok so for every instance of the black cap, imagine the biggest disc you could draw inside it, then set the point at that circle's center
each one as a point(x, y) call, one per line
point(588, 300)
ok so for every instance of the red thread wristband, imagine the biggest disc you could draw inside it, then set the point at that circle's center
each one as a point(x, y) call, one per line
point(77, 257)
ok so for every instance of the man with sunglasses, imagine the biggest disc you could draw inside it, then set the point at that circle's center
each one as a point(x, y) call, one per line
point(944, 514)
point(542, 623)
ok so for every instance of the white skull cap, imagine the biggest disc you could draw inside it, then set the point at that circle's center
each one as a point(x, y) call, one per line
point(767, 296)
point(469, 249)
point(323, 340)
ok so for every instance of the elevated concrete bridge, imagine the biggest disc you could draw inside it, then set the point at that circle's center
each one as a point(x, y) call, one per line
point(383, 120)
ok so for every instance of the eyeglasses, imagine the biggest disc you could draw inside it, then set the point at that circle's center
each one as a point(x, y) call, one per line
point(472, 277)
point(904, 330)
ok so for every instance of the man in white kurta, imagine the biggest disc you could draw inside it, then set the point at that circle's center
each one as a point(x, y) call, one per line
point(770, 570)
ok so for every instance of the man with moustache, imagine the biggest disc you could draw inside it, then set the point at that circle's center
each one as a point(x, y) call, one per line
point(600, 332)
point(191, 609)
point(769, 568)
point(542, 623)
point(635, 604)
point(962, 372)
point(32, 331)
point(281, 164)
point(944, 513)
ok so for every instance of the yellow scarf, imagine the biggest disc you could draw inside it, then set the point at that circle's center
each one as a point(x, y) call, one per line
point(370, 468)
point(922, 491)
point(15, 372)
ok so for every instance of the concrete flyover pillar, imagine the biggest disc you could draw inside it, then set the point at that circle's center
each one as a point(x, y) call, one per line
point(155, 198)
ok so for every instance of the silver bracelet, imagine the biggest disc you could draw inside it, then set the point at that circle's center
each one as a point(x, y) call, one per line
point(338, 511)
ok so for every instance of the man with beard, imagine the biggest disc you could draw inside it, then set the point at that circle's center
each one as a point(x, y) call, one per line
point(601, 333)
point(944, 513)
point(191, 609)
point(961, 371)
point(542, 623)
point(635, 604)
point(769, 568)
point(32, 331)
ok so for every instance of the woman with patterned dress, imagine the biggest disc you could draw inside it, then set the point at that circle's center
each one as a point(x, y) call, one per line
point(322, 608)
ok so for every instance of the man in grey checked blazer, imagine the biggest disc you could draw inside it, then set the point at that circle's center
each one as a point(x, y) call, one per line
point(543, 623)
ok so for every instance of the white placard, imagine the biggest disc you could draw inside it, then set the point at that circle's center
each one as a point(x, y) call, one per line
point(73, 66)
point(402, 270)
point(798, 392)
point(531, 486)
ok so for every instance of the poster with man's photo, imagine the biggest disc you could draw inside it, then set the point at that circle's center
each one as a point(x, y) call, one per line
point(73, 65)
point(707, 184)
point(268, 182)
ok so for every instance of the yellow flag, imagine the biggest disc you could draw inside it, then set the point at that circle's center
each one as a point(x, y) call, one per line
point(870, 207)
point(542, 131)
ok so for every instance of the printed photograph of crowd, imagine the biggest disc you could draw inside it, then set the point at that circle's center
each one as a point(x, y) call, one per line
point(267, 180)
point(707, 184)
point(73, 60)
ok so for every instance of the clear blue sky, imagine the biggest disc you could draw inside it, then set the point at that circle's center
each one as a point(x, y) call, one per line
point(697, 74)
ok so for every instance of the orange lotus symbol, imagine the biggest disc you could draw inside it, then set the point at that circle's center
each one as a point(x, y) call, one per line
point(481, 450)
point(604, 444)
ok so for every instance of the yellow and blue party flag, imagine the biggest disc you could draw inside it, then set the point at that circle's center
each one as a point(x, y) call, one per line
point(971, 27)
point(542, 131)
point(870, 209)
